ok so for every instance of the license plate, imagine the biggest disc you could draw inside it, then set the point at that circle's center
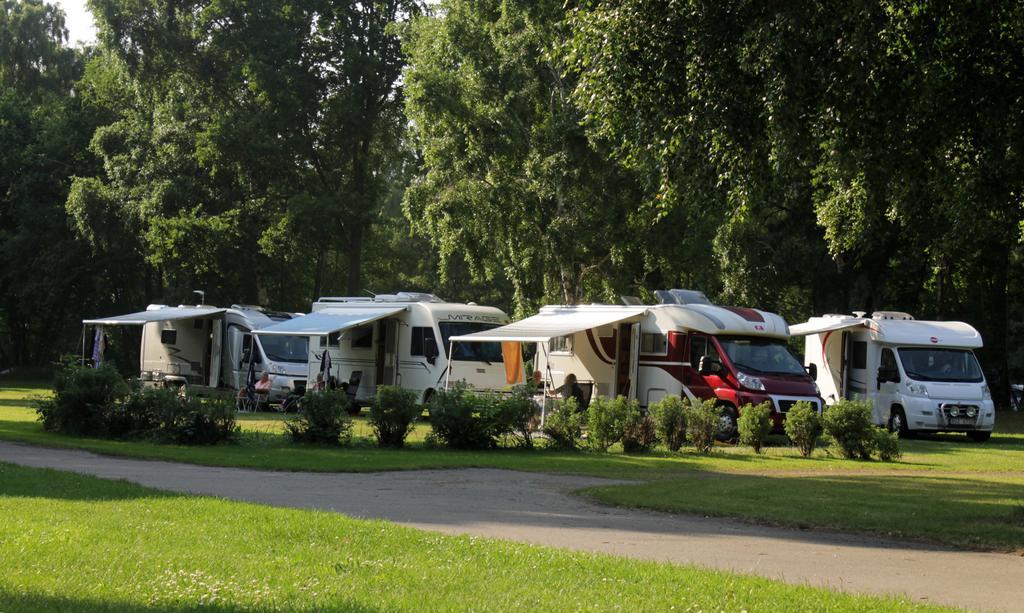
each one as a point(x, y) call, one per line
point(961, 421)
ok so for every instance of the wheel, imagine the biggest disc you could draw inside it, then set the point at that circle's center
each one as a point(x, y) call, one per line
point(727, 428)
point(979, 436)
point(898, 422)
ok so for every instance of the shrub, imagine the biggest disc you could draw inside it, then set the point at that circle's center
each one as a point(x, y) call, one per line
point(142, 413)
point(848, 424)
point(702, 422)
point(461, 420)
point(803, 427)
point(755, 423)
point(563, 425)
point(393, 414)
point(639, 434)
point(670, 421)
point(517, 413)
point(322, 419)
point(606, 421)
point(204, 423)
point(887, 444)
point(82, 399)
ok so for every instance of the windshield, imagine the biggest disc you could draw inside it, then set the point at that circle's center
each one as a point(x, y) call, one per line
point(934, 364)
point(475, 352)
point(285, 348)
point(761, 355)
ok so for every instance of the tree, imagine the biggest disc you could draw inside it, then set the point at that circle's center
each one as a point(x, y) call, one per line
point(510, 184)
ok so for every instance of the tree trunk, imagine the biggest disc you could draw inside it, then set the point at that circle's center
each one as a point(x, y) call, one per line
point(355, 258)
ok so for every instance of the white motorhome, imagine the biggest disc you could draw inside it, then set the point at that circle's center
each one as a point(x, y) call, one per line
point(212, 346)
point(684, 346)
point(400, 339)
point(918, 375)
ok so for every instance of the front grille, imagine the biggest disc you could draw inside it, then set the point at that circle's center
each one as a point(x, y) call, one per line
point(786, 405)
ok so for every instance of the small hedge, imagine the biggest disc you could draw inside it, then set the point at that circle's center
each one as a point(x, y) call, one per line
point(640, 433)
point(848, 424)
point(322, 419)
point(99, 402)
point(702, 422)
point(563, 425)
point(461, 419)
point(393, 414)
point(755, 424)
point(803, 427)
point(606, 421)
point(669, 415)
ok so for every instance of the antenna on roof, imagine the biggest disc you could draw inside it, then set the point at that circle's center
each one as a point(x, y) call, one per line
point(202, 295)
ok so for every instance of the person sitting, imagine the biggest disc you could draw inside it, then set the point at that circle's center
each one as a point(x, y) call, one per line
point(319, 385)
point(263, 388)
point(572, 389)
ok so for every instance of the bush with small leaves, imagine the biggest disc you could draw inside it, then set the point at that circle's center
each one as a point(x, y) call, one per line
point(393, 414)
point(203, 423)
point(82, 399)
point(460, 419)
point(640, 433)
point(702, 423)
point(322, 419)
point(606, 421)
point(848, 424)
point(669, 417)
point(803, 427)
point(755, 424)
point(563, 424)
point(143, 412)
point(887, 444)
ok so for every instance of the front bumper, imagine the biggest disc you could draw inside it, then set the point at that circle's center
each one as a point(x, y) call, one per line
point(943, 415)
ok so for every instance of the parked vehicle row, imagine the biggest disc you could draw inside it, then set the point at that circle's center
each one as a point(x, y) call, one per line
point(918, 375)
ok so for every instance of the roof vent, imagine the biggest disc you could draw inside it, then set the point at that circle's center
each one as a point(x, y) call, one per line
point(859, 313)
point(892, 315)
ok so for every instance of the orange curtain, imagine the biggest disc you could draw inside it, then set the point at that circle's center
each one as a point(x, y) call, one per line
point(512, 352)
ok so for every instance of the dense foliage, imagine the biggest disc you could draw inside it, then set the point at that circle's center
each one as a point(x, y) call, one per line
point(669, 416)
point(803, 427)
point(703, 419)
point(811, 158)
point(322, 419)
point(848, 424)
point(393, 414)
point(755, 424)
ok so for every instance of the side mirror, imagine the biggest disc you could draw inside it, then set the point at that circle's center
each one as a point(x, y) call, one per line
point(709, 365)
point(430, 350)
point(812, 371)
point(886, 373)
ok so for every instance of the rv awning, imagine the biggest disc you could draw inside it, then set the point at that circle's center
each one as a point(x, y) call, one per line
point(329, 321)
point(161, 314)
point(817, 327)
point(545, 326)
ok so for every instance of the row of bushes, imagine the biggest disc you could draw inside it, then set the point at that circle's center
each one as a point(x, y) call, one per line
point(99, 402)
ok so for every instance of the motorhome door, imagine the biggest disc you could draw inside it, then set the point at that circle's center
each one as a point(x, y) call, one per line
point(857, 372)
point(627, 348)
point(387, 353)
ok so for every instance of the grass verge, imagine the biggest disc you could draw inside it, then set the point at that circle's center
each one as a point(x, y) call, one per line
point(79, 543)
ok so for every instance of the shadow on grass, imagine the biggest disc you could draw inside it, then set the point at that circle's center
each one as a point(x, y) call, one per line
point(22, 482)
point(12, 601)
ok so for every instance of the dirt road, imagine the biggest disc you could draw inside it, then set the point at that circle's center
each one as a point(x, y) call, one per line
point(538, 508)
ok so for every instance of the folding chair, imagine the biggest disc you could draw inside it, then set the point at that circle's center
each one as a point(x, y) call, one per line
point(352, 390)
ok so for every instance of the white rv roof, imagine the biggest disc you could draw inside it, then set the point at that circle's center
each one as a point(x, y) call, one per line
point(715, 319)
point(329, 321)
point(157, 313)
point(899, 331)
point(555, 321)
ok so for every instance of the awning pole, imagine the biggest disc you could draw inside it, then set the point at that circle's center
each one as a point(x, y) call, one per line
point(448, 370)
point(544, 388)
point(82, 357)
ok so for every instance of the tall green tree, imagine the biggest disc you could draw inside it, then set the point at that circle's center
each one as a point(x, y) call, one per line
point(510, 186)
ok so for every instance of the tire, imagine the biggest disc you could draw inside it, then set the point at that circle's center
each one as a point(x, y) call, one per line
point(728, 430)
point(898, 422)
point(979, 436)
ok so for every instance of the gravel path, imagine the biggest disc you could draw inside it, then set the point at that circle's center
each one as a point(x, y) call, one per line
point(537, 508)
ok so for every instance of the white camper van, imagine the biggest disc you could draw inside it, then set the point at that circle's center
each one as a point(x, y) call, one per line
point(212, 346)
point(684, 346)
point(399, 339)
point(918, 375)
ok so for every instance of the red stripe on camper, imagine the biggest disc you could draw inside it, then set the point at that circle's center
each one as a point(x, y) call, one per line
point(597, 350)
point(745, 313)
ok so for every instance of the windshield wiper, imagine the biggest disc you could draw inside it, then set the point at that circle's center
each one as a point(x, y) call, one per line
point(743, 366)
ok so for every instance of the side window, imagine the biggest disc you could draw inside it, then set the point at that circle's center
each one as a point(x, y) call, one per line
point(698, 347)
point(560, 344)
point(419, 334)
point(653, 343)
point(247, 347)
point(889, 361)
point(168, 337)
point(334, 339)
point(362, 337)
point(859, 354)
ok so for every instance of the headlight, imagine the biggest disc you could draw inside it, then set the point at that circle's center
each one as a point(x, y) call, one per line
point(917, 389)
point(986, 393)
point(277, 370)
point(817, 390)
point(971, 412)
point(750, 382)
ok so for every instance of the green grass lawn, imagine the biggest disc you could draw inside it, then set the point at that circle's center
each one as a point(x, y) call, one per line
point(78, 543)
point(945, 489)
